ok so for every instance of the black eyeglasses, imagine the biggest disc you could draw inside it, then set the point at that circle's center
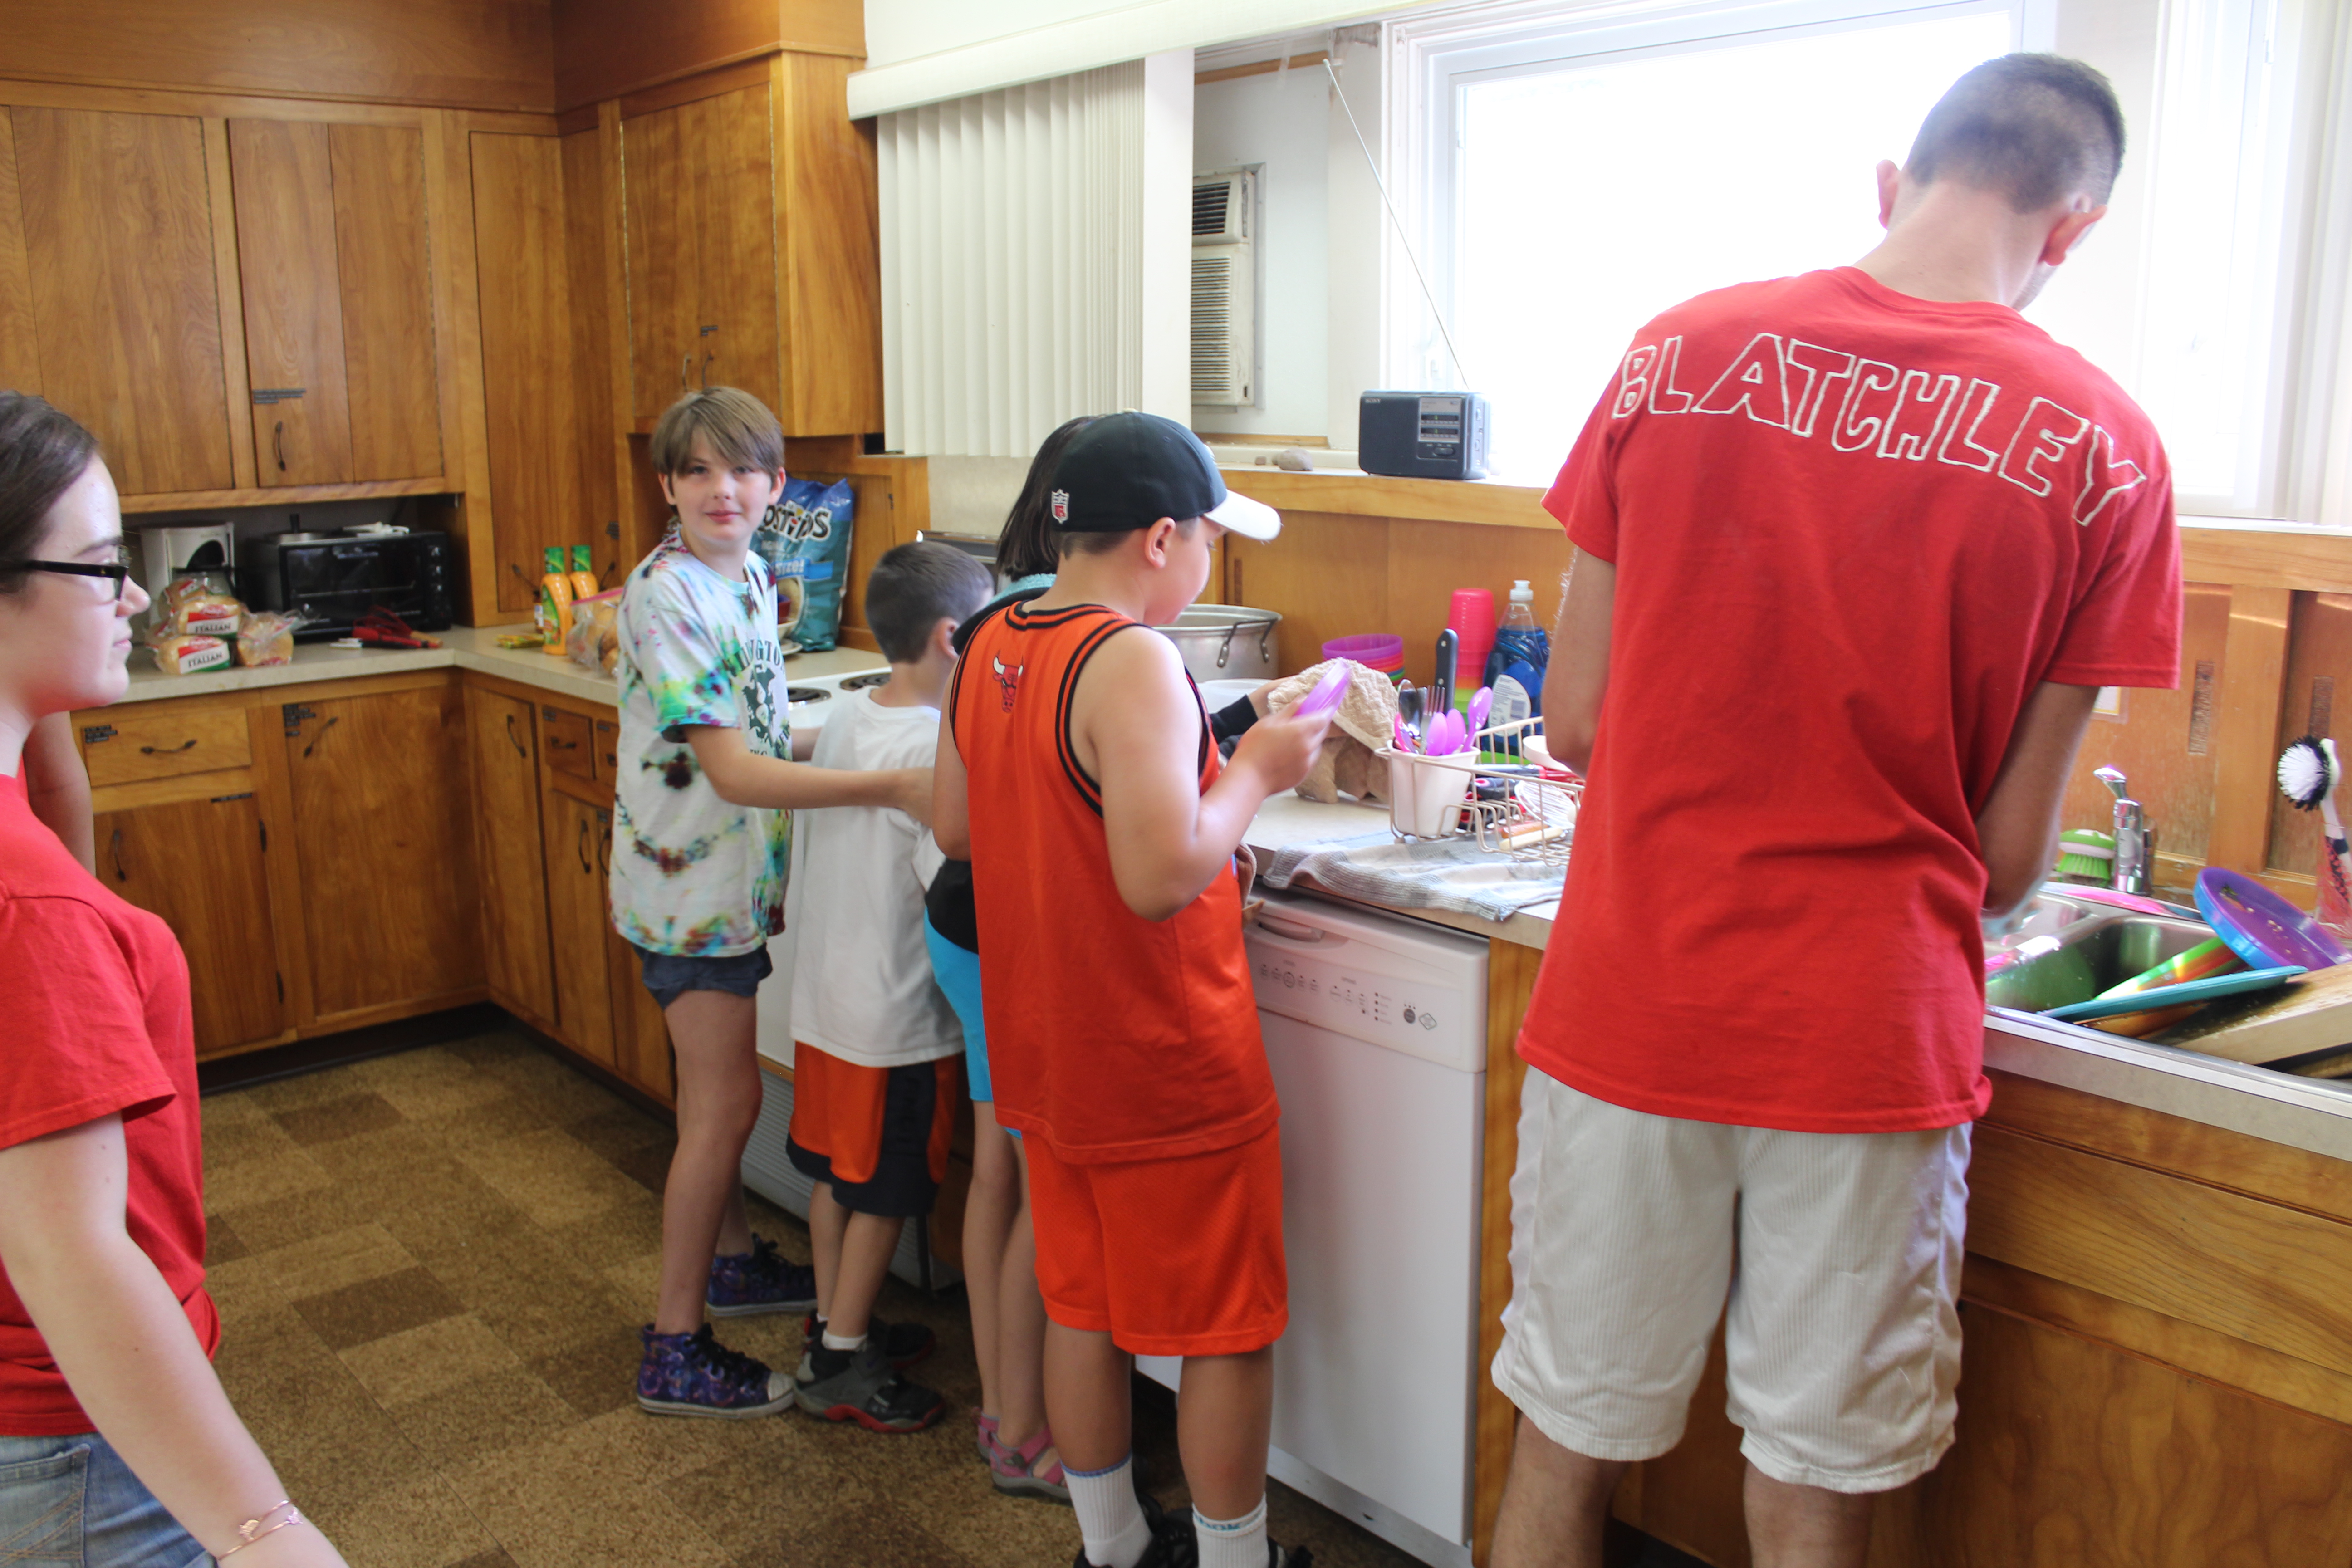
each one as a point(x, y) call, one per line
point(119, 571)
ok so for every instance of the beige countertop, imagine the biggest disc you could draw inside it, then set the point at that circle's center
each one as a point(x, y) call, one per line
point(462, 647)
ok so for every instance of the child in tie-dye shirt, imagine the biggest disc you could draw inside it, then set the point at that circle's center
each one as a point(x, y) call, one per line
point(701, 849)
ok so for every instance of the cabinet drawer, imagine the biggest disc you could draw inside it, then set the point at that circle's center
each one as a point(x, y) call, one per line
point(608, 749)
point(163, 744)
point(565, 735)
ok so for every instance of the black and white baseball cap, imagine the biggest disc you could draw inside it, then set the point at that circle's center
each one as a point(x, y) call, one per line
point(1126, 471)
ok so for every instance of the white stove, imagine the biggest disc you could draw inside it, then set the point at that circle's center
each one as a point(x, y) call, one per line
point(813, 696)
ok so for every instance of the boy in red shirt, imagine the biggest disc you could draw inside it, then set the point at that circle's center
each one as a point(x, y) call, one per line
point(1854, 552)
point(1076, 772)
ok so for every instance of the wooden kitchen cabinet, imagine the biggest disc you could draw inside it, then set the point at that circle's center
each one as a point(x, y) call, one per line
point(337, 300)
point(383, 818)
point(200, 865)
point(577, 917)
point(113, 221)
point(514, 949)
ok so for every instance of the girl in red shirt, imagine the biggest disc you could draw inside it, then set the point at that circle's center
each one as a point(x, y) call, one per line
point(118, 1448)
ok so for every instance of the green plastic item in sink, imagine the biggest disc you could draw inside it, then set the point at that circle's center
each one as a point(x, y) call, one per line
point(2057, 979)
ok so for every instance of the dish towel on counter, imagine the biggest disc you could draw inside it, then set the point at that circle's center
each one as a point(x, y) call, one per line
point(1376, 868)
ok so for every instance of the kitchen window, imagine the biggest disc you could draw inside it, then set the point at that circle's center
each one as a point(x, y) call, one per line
point(1567, 171)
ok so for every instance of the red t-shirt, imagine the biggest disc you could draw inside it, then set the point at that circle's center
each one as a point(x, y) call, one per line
point(1111, 1037)
point(94, 1021)
point(1853, 530)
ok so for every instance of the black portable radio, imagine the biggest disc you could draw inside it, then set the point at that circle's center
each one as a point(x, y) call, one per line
point(1422, 435)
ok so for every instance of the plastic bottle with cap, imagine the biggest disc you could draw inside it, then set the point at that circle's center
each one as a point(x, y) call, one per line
point(1514, 666)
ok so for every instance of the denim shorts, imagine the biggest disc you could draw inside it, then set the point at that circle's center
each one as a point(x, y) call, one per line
point(670, 975)
point(71, 1503)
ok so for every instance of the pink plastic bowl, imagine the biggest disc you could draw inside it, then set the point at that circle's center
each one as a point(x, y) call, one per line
point(1383, 651)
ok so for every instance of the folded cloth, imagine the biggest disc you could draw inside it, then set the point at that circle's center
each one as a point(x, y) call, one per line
point(1360, 727)
point(1423, 875)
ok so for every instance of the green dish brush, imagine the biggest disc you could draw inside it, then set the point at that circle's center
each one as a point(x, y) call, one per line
point(2085, 855)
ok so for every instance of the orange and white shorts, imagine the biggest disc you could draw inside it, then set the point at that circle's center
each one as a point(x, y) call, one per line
point(1179, 1256)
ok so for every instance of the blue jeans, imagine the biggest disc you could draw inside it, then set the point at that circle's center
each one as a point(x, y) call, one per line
point(71, 1503)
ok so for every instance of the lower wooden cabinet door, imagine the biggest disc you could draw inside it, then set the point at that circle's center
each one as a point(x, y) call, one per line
point(577, 834)
point(383, 812)
point(200, 865)
point(513, 861)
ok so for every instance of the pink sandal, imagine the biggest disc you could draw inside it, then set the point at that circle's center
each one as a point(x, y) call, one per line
point(1032, 1469)
point(987, 1439)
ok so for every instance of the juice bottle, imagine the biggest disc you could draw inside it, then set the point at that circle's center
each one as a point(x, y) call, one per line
point(555, 614)
point(583, 575)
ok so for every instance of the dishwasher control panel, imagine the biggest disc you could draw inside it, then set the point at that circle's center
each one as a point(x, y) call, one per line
point(1406, 985)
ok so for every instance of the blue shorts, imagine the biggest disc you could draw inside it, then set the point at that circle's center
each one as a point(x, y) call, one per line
point(72, 1499)
point(957, 972)
point(670, 975)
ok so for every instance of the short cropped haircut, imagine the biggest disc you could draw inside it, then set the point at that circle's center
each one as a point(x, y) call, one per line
point(2036, 129)
point(1027, 547)
point(740, 431)
point(1100, 541)
point(916, 586)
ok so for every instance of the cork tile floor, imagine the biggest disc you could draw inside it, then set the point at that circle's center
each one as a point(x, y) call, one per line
point(430, 1268)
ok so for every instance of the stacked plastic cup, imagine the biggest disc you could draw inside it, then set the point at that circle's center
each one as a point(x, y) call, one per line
point(1472, 620)
point(1382, 651)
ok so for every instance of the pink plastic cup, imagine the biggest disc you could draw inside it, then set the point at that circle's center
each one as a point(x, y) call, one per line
point(1382, 651)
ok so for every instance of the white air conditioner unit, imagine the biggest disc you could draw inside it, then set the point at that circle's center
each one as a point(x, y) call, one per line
point(1224, 289)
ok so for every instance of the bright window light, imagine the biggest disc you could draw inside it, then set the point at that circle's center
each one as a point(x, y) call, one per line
point(1590, 194)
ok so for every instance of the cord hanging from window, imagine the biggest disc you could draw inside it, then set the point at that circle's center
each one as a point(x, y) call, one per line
point(1403, 239)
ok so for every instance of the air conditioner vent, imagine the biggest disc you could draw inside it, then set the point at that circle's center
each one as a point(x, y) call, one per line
point(1220, 206)
point(1225, 328)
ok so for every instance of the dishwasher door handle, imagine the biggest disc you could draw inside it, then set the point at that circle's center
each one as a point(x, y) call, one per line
point(1295, 930)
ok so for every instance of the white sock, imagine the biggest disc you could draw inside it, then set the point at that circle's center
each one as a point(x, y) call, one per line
point(834, 1341)
point(1110, 1519)
point(1230, 1542)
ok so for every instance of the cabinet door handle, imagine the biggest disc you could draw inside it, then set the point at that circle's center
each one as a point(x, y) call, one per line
point(684, 368)
point(581, 848)
point(321, 734)
point(168, 751)
point(520, 750)
point(277, 444)
point(116, 848)
point(706, 358)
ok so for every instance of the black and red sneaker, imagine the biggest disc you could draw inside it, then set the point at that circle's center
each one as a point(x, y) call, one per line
point(859, 1385)
point(904, 1345)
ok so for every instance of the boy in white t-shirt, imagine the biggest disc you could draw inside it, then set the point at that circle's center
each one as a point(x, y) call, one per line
point(875, 1071)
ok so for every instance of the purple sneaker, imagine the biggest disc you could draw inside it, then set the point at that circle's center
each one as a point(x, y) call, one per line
point(694, 1374)
point(759, 1282)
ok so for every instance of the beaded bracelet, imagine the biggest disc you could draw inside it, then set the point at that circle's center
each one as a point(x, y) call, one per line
point(251, 1529)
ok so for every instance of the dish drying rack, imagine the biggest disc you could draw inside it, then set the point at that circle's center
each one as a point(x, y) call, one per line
point(1431, 798)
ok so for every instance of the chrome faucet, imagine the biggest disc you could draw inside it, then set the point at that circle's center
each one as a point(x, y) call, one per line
point(2135, 862)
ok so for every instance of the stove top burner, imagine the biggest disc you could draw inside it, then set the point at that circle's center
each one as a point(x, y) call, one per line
point(860, 682)
point(808, 694)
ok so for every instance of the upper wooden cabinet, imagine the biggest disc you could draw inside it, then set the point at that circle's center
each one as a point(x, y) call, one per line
point(107, 255)
point(337, 300)
point(751, 246)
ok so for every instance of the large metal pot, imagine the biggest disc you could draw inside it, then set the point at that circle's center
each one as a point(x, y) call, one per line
point(1227, 642)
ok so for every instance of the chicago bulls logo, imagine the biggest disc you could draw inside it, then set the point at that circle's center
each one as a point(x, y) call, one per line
point(1008, 678)
point(1060, 506)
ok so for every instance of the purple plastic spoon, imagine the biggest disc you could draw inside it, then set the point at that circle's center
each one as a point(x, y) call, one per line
point(1326, 695)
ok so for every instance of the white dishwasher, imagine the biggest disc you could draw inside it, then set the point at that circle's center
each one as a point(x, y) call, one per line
point(1376, 1028)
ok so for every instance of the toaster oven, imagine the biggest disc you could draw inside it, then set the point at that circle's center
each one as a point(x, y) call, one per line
point(334, 579)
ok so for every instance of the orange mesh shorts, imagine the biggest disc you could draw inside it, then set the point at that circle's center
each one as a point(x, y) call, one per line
point(883, 1129)
point(1179, 1256)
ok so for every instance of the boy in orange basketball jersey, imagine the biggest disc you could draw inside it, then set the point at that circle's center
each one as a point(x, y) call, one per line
point(1076, 772)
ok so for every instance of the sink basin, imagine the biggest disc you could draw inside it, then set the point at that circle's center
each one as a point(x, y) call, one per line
point(2069, 951)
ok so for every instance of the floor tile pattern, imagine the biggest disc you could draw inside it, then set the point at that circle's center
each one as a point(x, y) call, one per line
point(430, 1268)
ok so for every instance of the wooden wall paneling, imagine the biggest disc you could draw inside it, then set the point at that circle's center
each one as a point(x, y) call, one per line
point(454, 339)
point(751, 72)
point(2254, 675)
point(2165, 743)
point(125, 305)
point(731, 143)
point(526, 363)
point(637, 532)
point(1329, 575)
point(828, 250)
point(2072, 1454)
point(387, 300)
point(449, 196)
point(284, 185)
point(1428, 561)
point(20, 349)
point(236, 382)
point(2253, 1270)
point(594, 343)
point(2317, 699)
point(487, 53)
point(1510, 982)
point(603, 49)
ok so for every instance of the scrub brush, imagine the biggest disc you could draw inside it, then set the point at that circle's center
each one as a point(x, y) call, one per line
point(2308, 772)
point(2085, 853)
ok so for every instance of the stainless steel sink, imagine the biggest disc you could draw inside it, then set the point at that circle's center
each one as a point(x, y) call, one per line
point(2069, 950)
